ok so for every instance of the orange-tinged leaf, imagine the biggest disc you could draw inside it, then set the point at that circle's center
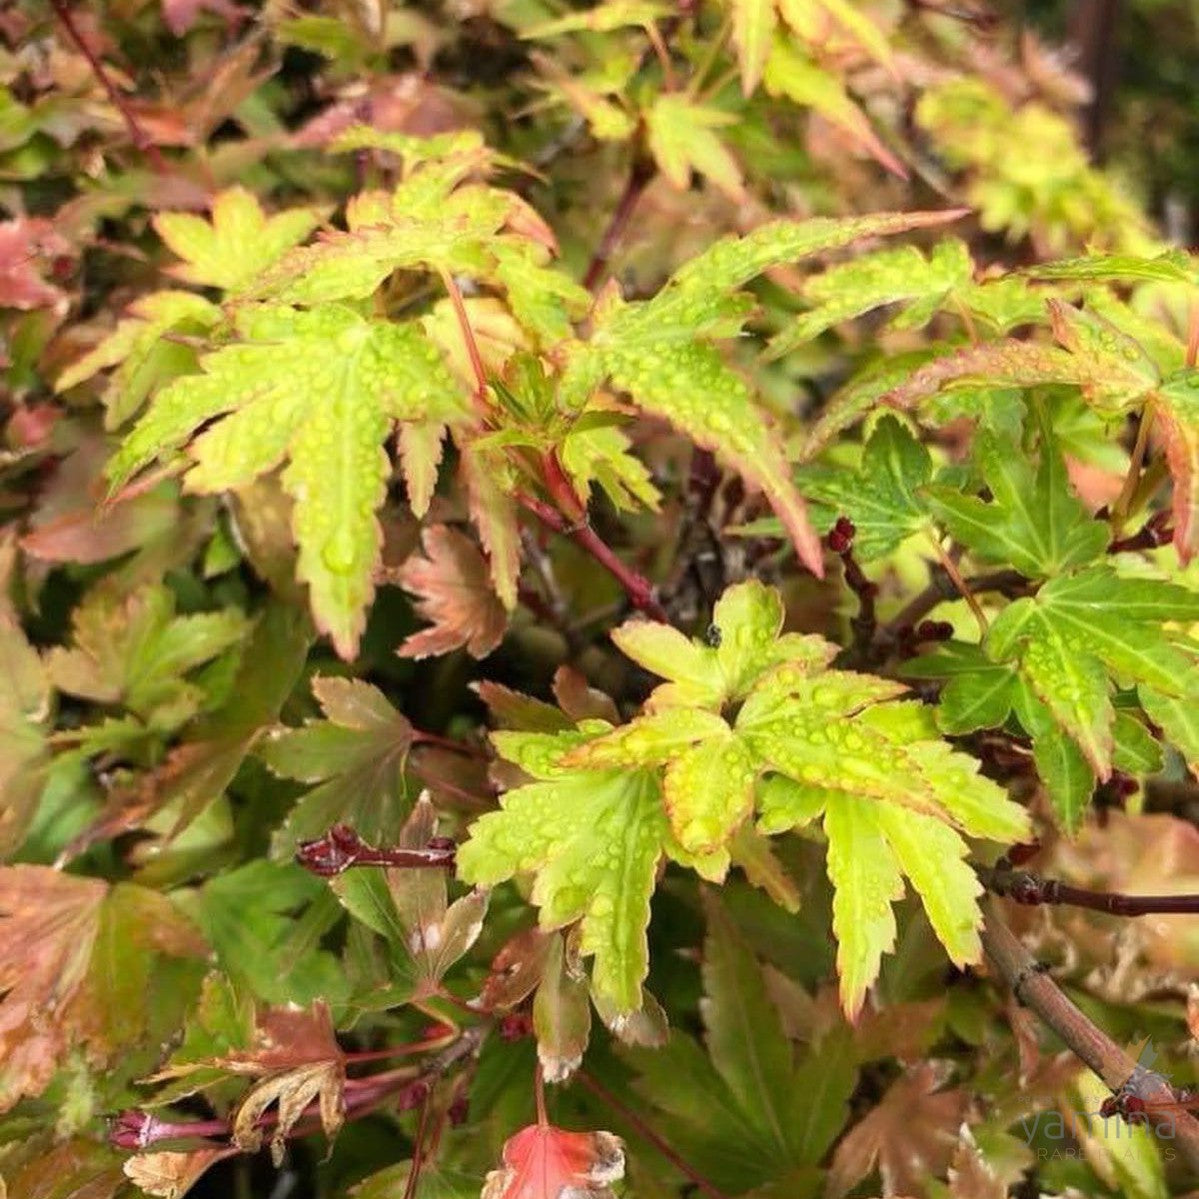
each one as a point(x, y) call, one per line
point(545, 1162)
point(909, 1138)
point(75, 961)
point(1177, 408)
point(455, 593)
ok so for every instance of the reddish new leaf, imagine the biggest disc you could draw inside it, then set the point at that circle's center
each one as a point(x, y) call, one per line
point(545, 1162)
point(455, 593)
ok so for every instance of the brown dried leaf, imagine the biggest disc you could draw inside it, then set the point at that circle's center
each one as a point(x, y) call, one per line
point(171, 1175)
point(970, 1177)
point(300, 1061)
point(454, 592)
point(909, 1138)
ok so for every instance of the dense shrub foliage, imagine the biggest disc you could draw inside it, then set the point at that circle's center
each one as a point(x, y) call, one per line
point(551, 557)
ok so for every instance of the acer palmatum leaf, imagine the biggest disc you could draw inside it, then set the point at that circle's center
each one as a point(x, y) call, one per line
point(545, 1162)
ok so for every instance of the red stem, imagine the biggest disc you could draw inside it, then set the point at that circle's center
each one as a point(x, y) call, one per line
point(601, 1092)
point(138, 135)
point(639, 176)
point(636, 586)
point(468, 336)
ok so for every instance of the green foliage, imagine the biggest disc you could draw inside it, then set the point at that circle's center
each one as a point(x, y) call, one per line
point(548, 556)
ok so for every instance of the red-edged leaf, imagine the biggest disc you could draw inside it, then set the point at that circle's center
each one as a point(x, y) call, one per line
point(455, 593)
point(544, 1162)
point(1177, 407)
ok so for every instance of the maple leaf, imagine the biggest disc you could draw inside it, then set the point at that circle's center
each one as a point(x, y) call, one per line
point(143, 355)
point(892, 276)
point(814, 20)
point(789, 73)
point(181, 15)
point(1034, 521)
point(657, 350)
point(72, 524)
point(298, 1061)
point(261, 920)
point(78, 969)
point(546, 1162)
point(25, 711)
point(358, 755)
point(595, 839)
point(754, 23)
point(561, 1011)
point(134, 651)
point(1176, 404)
point(282, 393)
point(881, 496)
point(827, 740)
point(239, 243)
point(410, 908)
point(451, 581)
point(171, 1174)
point(682, 140)
point(736, 1114)
point(1081, 630)
point(25, 244)
point(433, 222)
point(909, 1137)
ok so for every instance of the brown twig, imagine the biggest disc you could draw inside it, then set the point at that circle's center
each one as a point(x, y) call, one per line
point(140, 138)
point(643, 1129)
point(942, 588)
point(636, 586)
point(1021, 886)
point(640, 174)
point(1033, 987)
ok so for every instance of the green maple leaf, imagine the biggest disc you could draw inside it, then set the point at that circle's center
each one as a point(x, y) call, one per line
point(682, 138)
point(594, 840)
point(1084, 632)
point(358, 756)
point(323, 389)
point(790, 73)
point(658, 351)
point(755, 720)
point(144, 358)
point(736, 1112)
point(238, 244)
point(1034, 522)
point(881, 495)
point(892, 276)
point(133, 651)
point(754, 23)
